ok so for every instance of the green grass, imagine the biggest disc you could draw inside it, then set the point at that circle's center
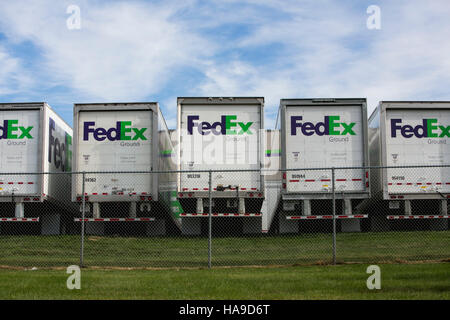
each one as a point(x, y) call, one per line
point(376, 247)
point(398, 281)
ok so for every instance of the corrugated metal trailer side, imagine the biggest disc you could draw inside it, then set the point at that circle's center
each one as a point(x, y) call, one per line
point(104, 143)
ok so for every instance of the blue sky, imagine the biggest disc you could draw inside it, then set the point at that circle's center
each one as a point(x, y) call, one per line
point(158, 50)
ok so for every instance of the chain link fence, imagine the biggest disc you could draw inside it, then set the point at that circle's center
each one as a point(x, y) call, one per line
point(225, 218)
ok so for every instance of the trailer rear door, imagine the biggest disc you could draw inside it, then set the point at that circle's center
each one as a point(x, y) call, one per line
point(213, 147)
point(115, 141)
point(323, 137)
point(417, 137)
point(20, 137)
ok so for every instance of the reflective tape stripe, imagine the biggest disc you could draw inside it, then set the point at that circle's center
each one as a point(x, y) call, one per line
point(20, 219)
point(112, 219)
point(354, 216)
point(221, 214)
point(418, 217)
point(206, 189)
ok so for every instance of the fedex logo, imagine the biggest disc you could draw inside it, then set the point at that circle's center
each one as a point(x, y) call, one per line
point(227, 125)
point(329, 126)
point(428, 129)
point(122, 131)
point(11, 130)
point(59, 151)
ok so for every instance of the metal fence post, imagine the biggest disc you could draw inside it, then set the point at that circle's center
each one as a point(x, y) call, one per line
point(334, 213)
point(210, 219)
point(83, 207)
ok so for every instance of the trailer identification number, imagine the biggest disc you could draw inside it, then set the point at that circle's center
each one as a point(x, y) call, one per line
point(194, 176)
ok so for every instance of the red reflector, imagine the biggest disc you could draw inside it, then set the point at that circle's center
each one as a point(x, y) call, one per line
point(35, 199)
point(284, 185)
point(284, 175)
point(142, 198)
point(26, 199)
point(180, 195)
point(251, 195)
point(367, 174)
point(259, 194)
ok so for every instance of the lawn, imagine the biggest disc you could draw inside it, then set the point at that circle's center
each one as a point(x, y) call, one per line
point(301, 249)
point(398, 281)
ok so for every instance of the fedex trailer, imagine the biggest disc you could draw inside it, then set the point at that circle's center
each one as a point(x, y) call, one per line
point(316, 135)
point(36, 147)
point(410, 133)
point(220, 134)
point(117, 146)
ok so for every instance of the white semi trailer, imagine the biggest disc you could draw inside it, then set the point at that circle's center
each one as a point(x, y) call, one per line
point(122, 137)
point(322, 133)
point(410, 133)
point(35, 145)
point(221, 134)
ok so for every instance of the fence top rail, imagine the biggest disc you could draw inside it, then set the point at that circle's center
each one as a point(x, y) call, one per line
point(227, 170)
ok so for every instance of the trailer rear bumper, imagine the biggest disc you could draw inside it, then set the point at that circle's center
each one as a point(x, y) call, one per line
point(324, 196)
point(217, 194)
point(124, 197)
point(416, 196)
point(230, 215)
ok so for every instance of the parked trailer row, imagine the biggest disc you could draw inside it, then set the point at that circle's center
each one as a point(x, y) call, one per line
point(227, 134)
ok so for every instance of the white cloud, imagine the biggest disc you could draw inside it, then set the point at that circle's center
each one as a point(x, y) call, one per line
point(124, 50)
point(13, 77)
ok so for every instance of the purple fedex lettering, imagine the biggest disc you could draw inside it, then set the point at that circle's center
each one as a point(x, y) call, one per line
point(101, 134)
point(408, 131)
point(309, 128)
point(87, 129)
point(205, 128)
